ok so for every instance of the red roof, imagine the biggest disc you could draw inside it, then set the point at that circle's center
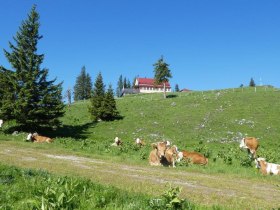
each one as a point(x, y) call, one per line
point(148, 82)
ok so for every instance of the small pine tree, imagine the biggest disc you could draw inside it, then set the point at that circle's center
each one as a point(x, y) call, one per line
point(97, 98)
point(83, 86)
point(252, 83)
point(125, 83)
point(128, 84)
point(177, 88)
point(109, 108)
point(162, 73)
point(33, 101)
point(119, 86)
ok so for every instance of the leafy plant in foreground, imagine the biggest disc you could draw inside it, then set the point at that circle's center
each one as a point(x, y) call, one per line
point(170, 200)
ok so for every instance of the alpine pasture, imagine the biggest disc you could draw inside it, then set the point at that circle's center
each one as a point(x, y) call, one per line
point(209, 122)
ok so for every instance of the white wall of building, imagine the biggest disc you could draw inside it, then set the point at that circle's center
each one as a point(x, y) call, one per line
point(153, 90)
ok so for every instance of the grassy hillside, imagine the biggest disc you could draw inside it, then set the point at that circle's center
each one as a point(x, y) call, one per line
point(211, 122)
point(216, 118)
point(185, 118)
point(208, 122)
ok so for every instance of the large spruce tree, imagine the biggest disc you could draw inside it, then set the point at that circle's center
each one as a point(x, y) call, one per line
point(162, 73)
point(28, 96)
point(83, 86)
point(97, 98)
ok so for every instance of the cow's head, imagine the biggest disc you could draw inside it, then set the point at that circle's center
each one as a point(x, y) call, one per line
point(242, 144)
point(160, 148)
point(35, 134)
point(258, 162)
point(174, 149)
point(116, 140)
point(179, 156)
point(167, 143)
point(29, 137)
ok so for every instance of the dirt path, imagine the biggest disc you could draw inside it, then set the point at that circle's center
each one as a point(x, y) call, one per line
point(197, 187)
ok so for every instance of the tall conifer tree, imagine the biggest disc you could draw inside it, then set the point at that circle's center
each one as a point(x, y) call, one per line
point(162, 73)
point(109, 107)
point(33, 101)
point(97, 98)
point(83, 86)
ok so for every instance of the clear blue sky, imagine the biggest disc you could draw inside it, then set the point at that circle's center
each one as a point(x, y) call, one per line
point(209, 44)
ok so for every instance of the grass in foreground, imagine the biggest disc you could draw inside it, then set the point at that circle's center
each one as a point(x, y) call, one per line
point(36, 189)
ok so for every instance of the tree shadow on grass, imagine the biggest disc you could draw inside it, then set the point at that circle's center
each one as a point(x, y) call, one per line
point(171, 96)
point(77, 132)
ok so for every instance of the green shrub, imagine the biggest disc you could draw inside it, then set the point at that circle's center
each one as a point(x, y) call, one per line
point(170, 200)
point(202, 148)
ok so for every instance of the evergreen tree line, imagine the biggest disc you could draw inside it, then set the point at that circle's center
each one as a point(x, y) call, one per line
point(103, 104)
point(123, 83)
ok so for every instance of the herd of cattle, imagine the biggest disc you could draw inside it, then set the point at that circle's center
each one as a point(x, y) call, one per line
point(163, 154)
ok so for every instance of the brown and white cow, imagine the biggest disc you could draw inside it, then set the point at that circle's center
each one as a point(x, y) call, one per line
point(267, 168)
point(193, 157)
point(35, 137)
point(170, 156)
point(251, 144)
point(157, 154)
point(140, 142)
point(117, 142)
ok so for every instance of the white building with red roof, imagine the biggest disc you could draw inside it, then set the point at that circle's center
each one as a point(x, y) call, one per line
point(147, 85)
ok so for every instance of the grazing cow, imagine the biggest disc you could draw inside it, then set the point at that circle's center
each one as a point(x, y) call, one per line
point(170, 156)
point(117, 142)
point(38, 139)
point(157, 154)
point(139, 142)
point(1, 123)
point(193, 157)
point(251, 144)
point(267, 168)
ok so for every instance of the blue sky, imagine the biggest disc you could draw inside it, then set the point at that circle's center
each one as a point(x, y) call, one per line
point(209, 44)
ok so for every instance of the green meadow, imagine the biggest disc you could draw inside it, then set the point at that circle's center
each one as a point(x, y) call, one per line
point(210, 122)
